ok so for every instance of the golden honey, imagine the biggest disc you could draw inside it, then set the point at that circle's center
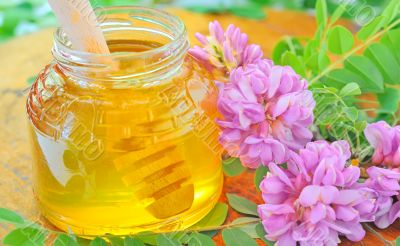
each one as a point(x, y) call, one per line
point(125, 143)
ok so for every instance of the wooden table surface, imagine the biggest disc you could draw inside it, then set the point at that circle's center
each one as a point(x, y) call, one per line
point(25, 56)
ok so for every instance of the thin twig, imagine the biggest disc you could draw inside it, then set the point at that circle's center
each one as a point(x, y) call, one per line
point(377, 234)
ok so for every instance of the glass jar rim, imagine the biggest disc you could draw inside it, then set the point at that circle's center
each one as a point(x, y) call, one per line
point(180, 29)
point(129, 23)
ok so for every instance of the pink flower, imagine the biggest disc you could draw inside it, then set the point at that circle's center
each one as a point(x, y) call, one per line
point(383, 185)
point(226, 50)
point(315, 199)
point(386, 142)
point(266, 111)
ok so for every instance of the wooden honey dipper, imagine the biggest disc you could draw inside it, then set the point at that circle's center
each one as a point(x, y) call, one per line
point(157, 174)
point(79, 22)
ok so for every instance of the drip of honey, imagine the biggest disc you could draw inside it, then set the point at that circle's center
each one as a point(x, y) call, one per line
point(126, 160)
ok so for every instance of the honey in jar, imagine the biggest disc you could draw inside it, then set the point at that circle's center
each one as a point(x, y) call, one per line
point(125, 142)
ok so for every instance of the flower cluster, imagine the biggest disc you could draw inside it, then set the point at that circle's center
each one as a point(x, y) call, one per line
point(386, 142)
point(315, 199)
point(225, 50)
point(266, 111)
point(381, 187)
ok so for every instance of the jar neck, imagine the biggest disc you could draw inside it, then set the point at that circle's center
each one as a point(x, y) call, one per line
point(147, 45)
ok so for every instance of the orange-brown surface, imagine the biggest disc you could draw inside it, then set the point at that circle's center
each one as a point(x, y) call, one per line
point(25, 56)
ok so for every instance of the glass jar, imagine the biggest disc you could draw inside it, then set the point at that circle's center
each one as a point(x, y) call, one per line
point(125, 142)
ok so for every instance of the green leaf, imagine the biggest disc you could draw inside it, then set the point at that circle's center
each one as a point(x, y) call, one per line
point(322, 12)
point(215, 217)
point(295, 62)
point(248, 225)
point(351, 89)
point(340, 40)
point(210, 233)
point(311, 49)
point(339, 11)
point(351, 113)
point(389, 100)
point(237, 237)
point(198, 239)
point(116, 240)
point(261, 234)
point(249, 10)
point(340, 77)
point(397, 242)
point(391, 11)
point(147, 237)
point(180, 236)
point(372, 28)
point(25, 236)
point(259, 176)
point(130, 241)
point(163, 240)
point(385, 61)
point(98, 241)
point(83, 241)
point(392, 40)
point(9, 216)
point(366, 69)
point(242, 205)
point(65, 240)
point(323, 60)
point(290, 44)
point(233, 167)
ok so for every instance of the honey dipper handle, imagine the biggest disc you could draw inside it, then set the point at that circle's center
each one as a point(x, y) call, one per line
point(79, 22)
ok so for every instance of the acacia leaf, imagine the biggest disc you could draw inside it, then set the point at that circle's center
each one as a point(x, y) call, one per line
point(261, 234)
point(198, 239)
point(340, 40)
point(233, 167)
point(389, 100)
point(98, 241)
point(366, 69)
point(392, 41)
point(25, 236)
point(242, 205)
point(9, 216)
point(248, 225)
point(215, 217)
point(339, 11)
point(290, 44)
point(295, 62)
point(237, 237)
point(261, 171)
point(391, 11)
point(65, 240)
point(131, 241)
point(351, 89)
point(163, 240)
point(321, 12)
point(323, 60)
point(385, 61)
point(351, 113)
point(371, 28)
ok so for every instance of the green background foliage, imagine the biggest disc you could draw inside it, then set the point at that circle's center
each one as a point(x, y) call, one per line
point(18, 17)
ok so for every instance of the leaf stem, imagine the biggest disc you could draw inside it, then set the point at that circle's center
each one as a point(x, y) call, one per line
point(377, 234)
